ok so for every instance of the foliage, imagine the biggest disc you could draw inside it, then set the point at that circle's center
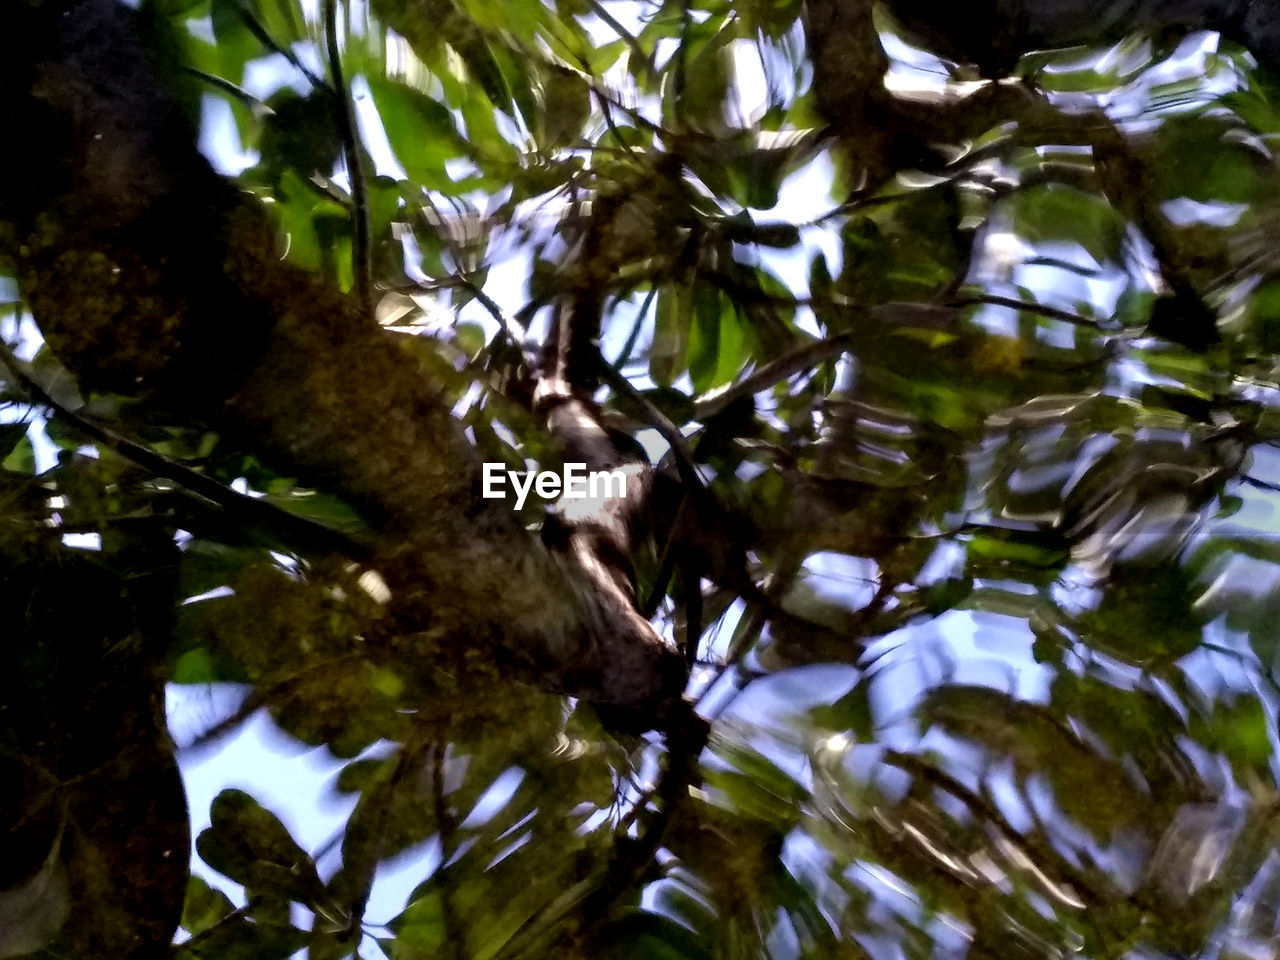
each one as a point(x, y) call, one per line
point(988, 574)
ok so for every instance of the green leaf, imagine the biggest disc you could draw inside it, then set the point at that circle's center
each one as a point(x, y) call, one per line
point(236, 41)
point(672, 320)
point(674, 405)
point(1199, 158)
point(22, 458)
point(1009, 549)
point(566, 105)
point(757, 788)
point(248, 940)
point(1240, 730)
point(195, 666)
point(704, 339)
point(422, 132)
point(1056, 213)
point(300, 134)
point(12, 436)
point(1146, 615)
point(204, 906)
point(639, 935)
point(708, 75)
point(420, 930)
point(299, 209)
point(322, 508)
point(247, 843)
point(359, 776)
point(851, 713)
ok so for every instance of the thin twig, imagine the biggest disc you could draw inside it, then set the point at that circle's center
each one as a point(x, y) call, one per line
point(1066, 265)
point(612, 23)
point(605, 95)
point(234, 916)
point(692, 614)
point(1030, 306)
point(227, 87)
point(659, 421)
point(448, 828)
point(624, 356)
point(264, 37)
point(606, 111)
point(1259, 484)
point(773, 372)
point(361, 243)
point(1034, 852)
point(514, 330)
point(680, 78)
point(666, 563)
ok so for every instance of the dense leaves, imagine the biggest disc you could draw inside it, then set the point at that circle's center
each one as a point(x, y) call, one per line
point(972, 540)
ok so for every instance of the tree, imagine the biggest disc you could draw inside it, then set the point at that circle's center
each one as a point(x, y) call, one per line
point(936, 615)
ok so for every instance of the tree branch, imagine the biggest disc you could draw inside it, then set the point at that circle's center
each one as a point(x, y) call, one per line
point(361, 257)
point(218, 328)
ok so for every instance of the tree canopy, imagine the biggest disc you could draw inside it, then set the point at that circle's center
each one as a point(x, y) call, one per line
point(935, 347)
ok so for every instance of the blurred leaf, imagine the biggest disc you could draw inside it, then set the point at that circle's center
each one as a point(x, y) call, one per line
point(1009, 549)
point(11, 434)
point(1055, 213)
point(245, 939)
point(301, 134)
point(566, 105)
point(1241, 731)
point(194, 666)
point(672, 322)
point(755, 787)
point(422, 132)
point(236, 42)
point(707, 82)
point(21, 457)
point(248, 844)
point(640, 935)
point(420, 930)
point(1146, 615)
point(1197, 158)
point(852, 712)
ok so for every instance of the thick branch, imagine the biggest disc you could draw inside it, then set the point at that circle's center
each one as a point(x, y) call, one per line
point(993, 34)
